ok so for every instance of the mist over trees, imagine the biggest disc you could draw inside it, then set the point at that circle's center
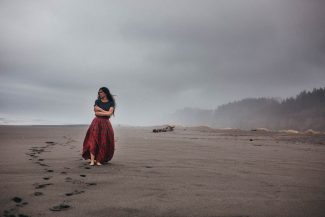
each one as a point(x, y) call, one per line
point(305, 111)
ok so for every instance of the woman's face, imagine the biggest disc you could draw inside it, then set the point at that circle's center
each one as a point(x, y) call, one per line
point(101, 94)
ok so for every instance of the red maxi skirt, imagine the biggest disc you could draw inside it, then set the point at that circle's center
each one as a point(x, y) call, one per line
point(99, 140)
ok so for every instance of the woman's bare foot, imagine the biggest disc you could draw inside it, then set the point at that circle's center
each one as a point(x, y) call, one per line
point(92, 163)
point(98, 163)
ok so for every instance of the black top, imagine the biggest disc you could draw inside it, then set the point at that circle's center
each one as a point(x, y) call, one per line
point(104, 105)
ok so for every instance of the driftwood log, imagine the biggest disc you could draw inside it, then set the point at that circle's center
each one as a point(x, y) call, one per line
point(165, 129)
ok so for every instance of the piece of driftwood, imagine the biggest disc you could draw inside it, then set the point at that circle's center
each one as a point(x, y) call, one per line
point(165, 129)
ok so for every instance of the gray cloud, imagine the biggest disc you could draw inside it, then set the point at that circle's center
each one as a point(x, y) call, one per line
point(156, 56)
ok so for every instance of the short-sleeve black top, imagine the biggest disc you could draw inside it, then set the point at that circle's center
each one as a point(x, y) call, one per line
point(104, 105)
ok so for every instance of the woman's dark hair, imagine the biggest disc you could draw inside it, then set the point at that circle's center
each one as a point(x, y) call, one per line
point(110, 97)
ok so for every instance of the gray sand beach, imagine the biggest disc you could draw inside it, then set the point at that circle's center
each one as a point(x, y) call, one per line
point(192, 171)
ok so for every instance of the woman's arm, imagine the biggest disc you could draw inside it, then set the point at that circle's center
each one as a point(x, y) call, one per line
point(105, 113)
point(98, 109)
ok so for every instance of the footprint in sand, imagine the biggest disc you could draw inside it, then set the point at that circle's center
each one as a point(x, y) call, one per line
point(19, 202)
point(38, 150)
point(60, 207)
point(74, 193)
point(79, 182)
point(91, 183)
point(64, 173)
point(49, 171)
point(22, 204)
point(37, 193)
point(82, 175)
point(32, 155)
point(17, 199)
point(39, 186)
point(68, 179)
point(47, 178)
point(41, 164)
point(11, 213)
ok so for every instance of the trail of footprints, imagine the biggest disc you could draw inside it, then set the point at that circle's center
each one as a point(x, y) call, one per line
point(34, 154)
point(15, 209)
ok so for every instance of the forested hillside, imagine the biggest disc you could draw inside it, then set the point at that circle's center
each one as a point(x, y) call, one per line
point(305, 111)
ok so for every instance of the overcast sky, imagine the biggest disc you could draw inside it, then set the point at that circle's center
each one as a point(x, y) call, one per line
point(155, 56)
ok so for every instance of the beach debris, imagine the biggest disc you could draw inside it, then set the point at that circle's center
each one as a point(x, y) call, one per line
point(261, 129)
point(165, 129)
point(289, 131)
point(311, 131)
point(229, 128)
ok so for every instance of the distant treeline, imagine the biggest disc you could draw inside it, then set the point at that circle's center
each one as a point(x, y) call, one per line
point(305, 111)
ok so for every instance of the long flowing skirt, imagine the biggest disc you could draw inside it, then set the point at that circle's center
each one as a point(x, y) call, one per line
point(99, 140)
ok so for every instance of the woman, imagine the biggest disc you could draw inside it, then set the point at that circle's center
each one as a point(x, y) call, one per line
point(99, 143)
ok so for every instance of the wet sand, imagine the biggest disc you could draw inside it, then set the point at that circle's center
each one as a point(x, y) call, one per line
point(193, 171)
